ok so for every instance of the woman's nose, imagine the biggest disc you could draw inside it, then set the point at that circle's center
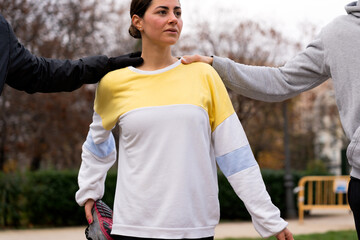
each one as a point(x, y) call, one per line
point(173, 19)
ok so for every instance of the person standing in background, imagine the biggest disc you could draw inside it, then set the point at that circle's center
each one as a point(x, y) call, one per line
point(334, 54)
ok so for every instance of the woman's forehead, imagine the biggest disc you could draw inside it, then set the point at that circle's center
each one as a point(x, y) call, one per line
point(155, 3)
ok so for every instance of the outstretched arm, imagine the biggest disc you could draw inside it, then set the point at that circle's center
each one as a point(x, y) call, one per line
point(305, 71)
point(24, 71)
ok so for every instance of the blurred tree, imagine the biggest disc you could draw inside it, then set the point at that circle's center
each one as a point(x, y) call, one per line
point(47, 130)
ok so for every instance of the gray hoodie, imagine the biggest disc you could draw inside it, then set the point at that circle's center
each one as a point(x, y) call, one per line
point(335, 54)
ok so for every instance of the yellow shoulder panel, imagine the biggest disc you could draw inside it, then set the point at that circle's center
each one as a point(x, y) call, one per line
point(198, 84)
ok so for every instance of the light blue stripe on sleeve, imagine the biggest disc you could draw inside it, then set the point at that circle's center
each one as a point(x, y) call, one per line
point(236, 161)
point(100, 150)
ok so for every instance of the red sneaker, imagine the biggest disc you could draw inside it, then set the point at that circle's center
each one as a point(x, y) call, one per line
point(101, 226)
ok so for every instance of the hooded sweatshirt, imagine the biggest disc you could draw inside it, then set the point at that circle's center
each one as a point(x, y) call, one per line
point(333, 54)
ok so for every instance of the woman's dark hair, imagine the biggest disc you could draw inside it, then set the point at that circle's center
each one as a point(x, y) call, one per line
point(138, 7)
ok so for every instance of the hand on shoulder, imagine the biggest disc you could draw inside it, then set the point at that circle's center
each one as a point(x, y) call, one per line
point(196, 58)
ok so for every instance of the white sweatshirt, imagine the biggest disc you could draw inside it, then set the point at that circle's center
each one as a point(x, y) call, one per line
point(175, 124)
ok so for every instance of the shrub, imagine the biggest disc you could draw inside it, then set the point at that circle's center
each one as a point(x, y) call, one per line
point(51, 199)
point(47, 198)
point(10, 199)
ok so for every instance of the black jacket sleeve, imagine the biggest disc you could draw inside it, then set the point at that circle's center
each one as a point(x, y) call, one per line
point(30, 73)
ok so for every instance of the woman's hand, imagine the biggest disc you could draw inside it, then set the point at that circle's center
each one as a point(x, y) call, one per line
point(88, 207)
point(284, 235)
point(196, 58)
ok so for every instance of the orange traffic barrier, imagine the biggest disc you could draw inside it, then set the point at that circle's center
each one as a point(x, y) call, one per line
point(322, 192)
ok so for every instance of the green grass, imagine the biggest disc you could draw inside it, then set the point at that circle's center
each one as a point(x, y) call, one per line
point(340, 235)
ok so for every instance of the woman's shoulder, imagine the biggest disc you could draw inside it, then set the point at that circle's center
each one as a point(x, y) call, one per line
point(205, 73)
point(112, 80)
point(200, 65)
point(201, 68)
point(116, 75)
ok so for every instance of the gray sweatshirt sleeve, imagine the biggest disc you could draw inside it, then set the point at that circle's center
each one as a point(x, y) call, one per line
point(305, 71)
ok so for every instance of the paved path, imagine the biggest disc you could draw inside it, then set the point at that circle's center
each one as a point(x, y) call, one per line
point(318, 222)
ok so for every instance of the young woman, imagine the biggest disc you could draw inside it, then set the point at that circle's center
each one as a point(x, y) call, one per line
point(176, 122)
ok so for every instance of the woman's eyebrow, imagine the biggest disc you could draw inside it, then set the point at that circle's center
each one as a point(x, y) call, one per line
point(162, 7)
point(167, 8)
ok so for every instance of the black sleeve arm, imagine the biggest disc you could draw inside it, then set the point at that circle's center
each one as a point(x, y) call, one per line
point(30, 73)
point(24, 71)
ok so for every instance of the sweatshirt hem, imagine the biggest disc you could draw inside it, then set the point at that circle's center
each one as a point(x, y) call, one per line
point(163, 233)
point(355, 172)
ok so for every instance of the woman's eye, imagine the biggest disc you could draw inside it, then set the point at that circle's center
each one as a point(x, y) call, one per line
point(162, 12)
point(178, 14)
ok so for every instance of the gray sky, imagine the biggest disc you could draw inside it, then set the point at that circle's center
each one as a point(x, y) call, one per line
point(298, 20)
point(288, 16)
point(292, 17)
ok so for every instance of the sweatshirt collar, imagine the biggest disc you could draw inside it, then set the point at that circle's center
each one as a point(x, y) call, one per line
point(174, 65)
point(353, 8)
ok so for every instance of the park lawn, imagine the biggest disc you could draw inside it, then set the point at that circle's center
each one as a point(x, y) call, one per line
point(339, 235)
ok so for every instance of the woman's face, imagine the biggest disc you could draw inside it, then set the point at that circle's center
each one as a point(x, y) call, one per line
point(162, 22)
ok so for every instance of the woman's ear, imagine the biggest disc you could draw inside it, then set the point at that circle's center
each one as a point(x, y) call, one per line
point(137, 22)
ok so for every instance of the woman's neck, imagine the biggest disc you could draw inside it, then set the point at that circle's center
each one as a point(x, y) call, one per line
point(156, 58)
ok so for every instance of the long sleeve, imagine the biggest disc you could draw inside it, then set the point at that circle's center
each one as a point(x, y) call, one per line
point(236, 160)
point(24, 71)
point(305, 71)
point(98, 155)
point(99, 150)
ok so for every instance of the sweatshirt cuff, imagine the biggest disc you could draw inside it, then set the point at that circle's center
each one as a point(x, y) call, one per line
point(217, 62)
